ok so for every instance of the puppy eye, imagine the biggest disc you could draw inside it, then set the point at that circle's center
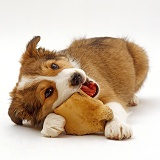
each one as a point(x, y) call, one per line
point(54, 66)
point(49, 92)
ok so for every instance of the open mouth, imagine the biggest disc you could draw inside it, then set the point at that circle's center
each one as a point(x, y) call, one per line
point(90, 88)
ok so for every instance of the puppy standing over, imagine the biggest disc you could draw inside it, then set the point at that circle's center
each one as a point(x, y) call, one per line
point(117, 67)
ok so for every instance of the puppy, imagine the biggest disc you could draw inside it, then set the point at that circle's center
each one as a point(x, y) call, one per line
point(116, 67)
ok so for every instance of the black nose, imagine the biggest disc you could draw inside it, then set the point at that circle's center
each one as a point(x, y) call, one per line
point(76, 79)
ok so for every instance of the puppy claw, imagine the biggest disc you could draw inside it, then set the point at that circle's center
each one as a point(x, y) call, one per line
point(53, 125)
point(117, 130)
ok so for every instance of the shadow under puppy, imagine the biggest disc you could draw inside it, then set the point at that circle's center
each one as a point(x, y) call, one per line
point(116, 67)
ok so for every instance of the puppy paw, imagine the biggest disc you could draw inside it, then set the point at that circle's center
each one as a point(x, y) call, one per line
point(134, 101)
point(117, 130)
point(53, 125)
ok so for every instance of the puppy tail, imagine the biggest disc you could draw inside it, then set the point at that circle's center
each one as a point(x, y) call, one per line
point(141, 63)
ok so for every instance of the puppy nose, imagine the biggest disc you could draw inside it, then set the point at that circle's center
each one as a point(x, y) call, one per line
point(76, 79)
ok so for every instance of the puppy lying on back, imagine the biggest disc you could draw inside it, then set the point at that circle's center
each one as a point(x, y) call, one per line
point(116, 67)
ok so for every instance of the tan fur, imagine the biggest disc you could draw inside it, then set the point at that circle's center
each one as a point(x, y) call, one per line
point(62, 63)
point(37, 61)
point(118, 66)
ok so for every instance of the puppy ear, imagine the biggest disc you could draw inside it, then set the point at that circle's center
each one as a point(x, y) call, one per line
point(18, 113)
point(33, 44)
point(24, 106)
point(31, 50)
point(15, 112)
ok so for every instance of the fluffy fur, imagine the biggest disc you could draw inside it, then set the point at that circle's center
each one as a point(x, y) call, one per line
point(118, 66)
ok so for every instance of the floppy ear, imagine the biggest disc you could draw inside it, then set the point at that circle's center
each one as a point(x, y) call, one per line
point(31, 50)
point(25, 106)
point(17, 110)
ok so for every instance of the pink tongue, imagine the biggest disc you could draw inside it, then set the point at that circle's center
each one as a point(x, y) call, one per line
point(89, 88)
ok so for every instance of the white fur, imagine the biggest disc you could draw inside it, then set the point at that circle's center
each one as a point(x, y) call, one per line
point(118, 110)
point(63, 86)
point(62, 81)
point(27, 81)
point(53, 125)
point(117, 128)
point(134, 101)
point(74, 63)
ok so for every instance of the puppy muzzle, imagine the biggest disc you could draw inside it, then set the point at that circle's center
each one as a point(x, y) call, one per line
point(77, 79)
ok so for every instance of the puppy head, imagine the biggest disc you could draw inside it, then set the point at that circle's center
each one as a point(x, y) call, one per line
point(34, 98)
point(43, 71)
point(42, 62)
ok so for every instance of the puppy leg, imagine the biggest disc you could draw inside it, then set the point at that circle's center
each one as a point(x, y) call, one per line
point(118, 128)
point(53, 125)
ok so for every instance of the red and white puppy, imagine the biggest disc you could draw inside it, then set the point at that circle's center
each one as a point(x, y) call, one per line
point(115, 67)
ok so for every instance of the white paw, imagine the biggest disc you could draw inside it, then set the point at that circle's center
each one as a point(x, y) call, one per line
point(117, 130)
point(53, 125)
point(134, 101)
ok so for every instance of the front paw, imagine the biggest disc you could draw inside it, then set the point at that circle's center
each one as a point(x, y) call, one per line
point(117, 130)
point(53, 125)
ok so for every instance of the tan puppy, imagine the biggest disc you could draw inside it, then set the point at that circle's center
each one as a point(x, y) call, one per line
point(109, 69)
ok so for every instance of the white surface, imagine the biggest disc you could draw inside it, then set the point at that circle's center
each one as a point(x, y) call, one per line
point(58, 22)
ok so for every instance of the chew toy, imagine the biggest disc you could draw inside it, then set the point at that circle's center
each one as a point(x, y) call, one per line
point(83, 114)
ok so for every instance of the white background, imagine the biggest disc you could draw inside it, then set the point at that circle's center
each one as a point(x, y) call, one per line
point(58, 22)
